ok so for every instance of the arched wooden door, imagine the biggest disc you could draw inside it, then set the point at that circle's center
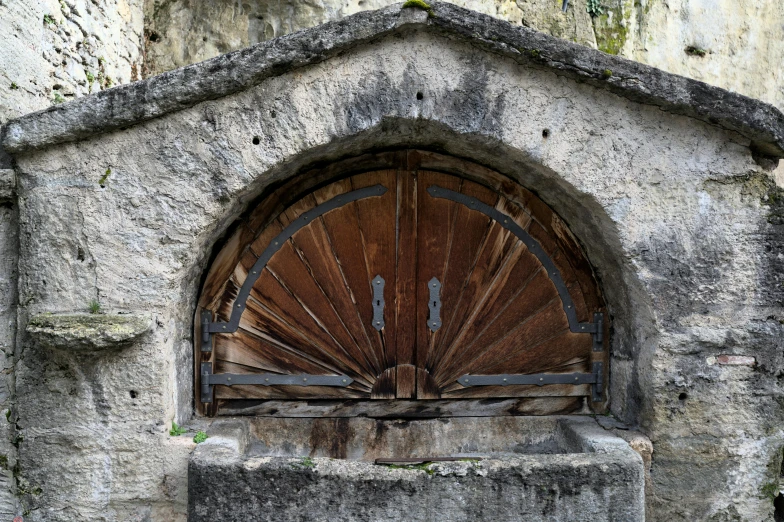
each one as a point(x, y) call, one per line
point(403, 283)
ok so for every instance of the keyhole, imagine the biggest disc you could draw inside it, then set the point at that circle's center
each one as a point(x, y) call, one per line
point(378, 303)
point(435, 303)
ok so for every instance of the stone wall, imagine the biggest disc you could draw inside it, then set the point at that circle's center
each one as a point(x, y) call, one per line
point(53, 51)
point(734, 44)
point(50, 52)
point(678, 216)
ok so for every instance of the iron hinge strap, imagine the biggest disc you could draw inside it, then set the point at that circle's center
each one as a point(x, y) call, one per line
point(209, 379)
point(595, 379)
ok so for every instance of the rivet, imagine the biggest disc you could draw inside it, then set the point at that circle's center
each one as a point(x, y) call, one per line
point(224, 327)
point(266, 380)
point(583, 327)
point(541, 378)
point(228, 378)
point(304, 379)
point(378, 322)
point(344, 380)
point(576, 378)
point(504, 380)
point(434, 285)
point(239, 306)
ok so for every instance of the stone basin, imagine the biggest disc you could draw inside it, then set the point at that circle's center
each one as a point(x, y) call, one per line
point(504, 469)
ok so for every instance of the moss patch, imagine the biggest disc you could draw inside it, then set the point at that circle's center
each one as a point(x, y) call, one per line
point(419, 4)
point(610, 26)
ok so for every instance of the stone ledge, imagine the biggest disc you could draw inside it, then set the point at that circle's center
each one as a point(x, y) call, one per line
point(84, 333)
point(169, 92)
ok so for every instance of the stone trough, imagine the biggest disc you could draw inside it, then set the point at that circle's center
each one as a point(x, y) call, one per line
point(503, 468)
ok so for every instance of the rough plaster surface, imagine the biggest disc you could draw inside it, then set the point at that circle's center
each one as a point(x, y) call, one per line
point(682, 225)
point(598, 478)
point(743, 41)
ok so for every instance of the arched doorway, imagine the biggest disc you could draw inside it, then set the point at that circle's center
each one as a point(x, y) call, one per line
point(406, 275)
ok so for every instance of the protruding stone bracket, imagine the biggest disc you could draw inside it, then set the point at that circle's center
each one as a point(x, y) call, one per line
point(88, 333)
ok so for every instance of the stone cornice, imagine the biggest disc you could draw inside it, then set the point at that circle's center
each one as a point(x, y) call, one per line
point(127, 105)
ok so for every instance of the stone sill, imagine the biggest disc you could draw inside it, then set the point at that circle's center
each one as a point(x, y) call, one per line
point(85, 333)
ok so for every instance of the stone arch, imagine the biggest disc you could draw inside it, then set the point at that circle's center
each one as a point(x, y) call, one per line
point(590, 224)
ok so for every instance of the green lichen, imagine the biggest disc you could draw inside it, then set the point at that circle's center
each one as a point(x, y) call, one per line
point(693, 50)
point(14, 86)
point(104, 178)
point(607, 73)
point(49, 20)
point(58, 98)
point(419, 4)
point(90, 76)
point(200, 437)
point(176, 430)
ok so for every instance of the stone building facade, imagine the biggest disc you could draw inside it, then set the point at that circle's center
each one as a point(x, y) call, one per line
point(121, 198)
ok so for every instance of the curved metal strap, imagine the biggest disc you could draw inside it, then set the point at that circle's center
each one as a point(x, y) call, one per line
point(277, 243)
point(533, 246)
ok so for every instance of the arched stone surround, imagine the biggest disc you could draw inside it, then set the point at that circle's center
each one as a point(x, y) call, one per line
point(672, 212)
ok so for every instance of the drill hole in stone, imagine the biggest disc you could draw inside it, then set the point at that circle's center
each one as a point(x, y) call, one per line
point(683, 396)
point(420, 96)
point(545, 133)
point(256, 140)
point(273, 114)
point(133, 394)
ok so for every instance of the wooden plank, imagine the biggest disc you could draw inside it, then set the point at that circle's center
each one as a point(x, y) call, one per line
point(464, 251)
point(274, 311)
point(435, 235)
point(345, 240)
point(377, 218)
point(550, 356)
point(514, 329)
point(404, 409)
point(405, 305)
point(313, 247)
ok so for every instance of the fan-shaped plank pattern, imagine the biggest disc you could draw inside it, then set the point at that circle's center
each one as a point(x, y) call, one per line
point(502, 313)
point(310, 308)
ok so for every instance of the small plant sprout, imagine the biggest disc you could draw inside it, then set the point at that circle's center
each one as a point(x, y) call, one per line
point(594, 8)
point(49, 20)
point(90, 76)
point(14, 86)
point(58, 98)
point(94, 307)
point(200, 437)
point(176, 431)
point(693, 50)
point(105, 177)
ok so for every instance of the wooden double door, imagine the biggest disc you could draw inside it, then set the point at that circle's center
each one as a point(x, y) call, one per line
point(400, 283)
